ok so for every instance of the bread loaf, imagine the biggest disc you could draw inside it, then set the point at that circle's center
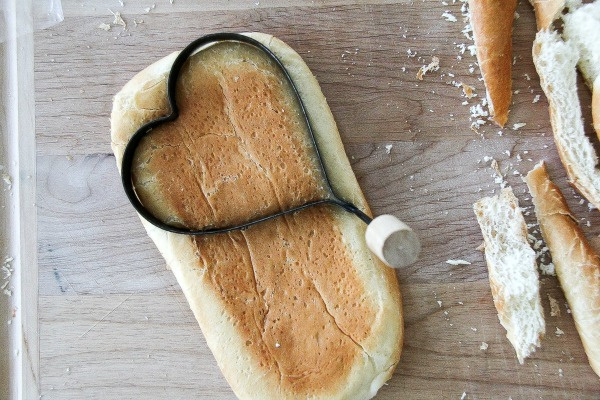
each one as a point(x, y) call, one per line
point(555, 61)
point(291, 308)
point(512, 270)
point(577, 265)
point(492, 22)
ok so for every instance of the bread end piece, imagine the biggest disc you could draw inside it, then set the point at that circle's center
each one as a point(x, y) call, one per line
point(512, 270)
point(577, 265)
point(492, 23)
point(555, 61)
point(547, 11)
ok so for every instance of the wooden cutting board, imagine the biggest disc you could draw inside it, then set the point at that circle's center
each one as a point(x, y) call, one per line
point(113, 321)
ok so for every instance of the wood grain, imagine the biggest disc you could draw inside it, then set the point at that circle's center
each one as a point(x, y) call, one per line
point(72, 111)
point(100, 276)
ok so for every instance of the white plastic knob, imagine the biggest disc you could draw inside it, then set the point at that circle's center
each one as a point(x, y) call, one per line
point(394, 242)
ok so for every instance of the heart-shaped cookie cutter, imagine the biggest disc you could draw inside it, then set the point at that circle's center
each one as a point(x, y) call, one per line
point(389, 238)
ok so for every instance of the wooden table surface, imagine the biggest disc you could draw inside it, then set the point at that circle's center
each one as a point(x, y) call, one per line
point(113, 321)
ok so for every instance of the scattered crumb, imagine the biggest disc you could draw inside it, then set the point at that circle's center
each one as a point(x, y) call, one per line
point(467, 90)
point(484, 346)
point(277, 345)
point(477, 112)
point(148, 9)
point(449, 17)
point(560, 372)
point(104, 26)
point(388, 148)
point(554, 307)
point(559, 331)
point(410, 53)
point(434, 65)
point(481, 247)
point(464, 395)
point(536, 98)
point(7, 179)
point(439, 303)
point(474, 329)
point(118, 19)
point(458, 262)
point(518, 126)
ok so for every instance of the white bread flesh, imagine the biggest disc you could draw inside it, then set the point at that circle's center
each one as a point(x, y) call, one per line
point(293, 308)
point(577, 265)
point(512, 271)
point(555, 61)
point(582, 28)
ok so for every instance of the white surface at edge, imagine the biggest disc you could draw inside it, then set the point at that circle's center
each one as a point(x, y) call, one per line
point(19, 340)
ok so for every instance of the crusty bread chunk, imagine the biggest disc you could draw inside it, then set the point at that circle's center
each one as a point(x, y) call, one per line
point(577, 265)
point(512, 270)
point(555, 61)
point(492, 22)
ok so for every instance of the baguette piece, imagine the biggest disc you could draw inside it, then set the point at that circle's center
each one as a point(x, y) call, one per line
point(577, 265)
point(295, 307)
point(512, 270)
point(582, 28)
point(546, 12)
point(555, 61)
point(492, 22)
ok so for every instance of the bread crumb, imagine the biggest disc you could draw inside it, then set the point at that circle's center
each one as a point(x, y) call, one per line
point(458, 262)
point(467, 90)
point(7, 179)
point(277, 345)
point(118, 20)
point(536, 98)
point(439, 303)
point(148, 9)
point(464, 395)
point(554, 307)
point(474, 329)
point(449, 17)
point(388, 148)
point(434, 65)
point(411, 54)
point(560, 372)
point(559, 332)
point(104, 26)
point(484, 346)
point(518, 126)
